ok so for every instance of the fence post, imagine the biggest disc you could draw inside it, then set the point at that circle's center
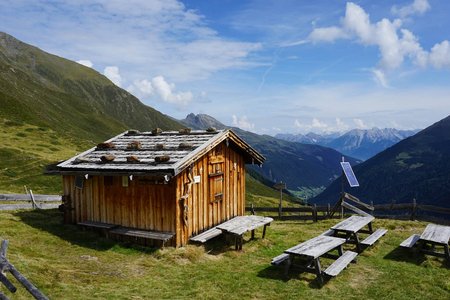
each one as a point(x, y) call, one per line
point(413, 211)
point(252, 209)
point(328, 210)
point(373, 211)
point(315, 213)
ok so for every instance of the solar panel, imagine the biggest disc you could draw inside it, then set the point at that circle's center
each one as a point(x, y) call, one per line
point(348, 171)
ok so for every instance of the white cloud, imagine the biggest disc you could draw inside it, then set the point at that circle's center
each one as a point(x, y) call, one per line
point(380, 77)
point(86, 63)
point(418, 7)
point(327, 34)
point(112, 72)
point(394, 42)
point(160, 88)
point(341, 126)
point(360, 124)
point(440, 55)
point(165, 91)
point(317, 125)
point(242, 122)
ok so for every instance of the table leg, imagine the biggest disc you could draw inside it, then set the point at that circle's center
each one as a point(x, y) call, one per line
point(340, 250)
point(253, 234)
point(447, 252)
point(358, 245)
point(287, 265)
point(370, 227)
point(264, 231)
point(318, 270)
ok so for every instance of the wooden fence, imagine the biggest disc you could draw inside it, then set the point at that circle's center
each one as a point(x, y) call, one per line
point(411, 211)
point(29, 201)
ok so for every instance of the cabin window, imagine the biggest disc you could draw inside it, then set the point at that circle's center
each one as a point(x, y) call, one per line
point(79, 181)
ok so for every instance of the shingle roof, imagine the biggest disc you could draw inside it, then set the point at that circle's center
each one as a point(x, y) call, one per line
point(145, 153)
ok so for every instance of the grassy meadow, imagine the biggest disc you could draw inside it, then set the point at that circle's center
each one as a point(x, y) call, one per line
point(67, 263)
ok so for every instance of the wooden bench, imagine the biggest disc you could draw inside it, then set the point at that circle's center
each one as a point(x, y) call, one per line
point(329, 232)
point(279, 259)
point(95, 224)
point(371, 239)
point(141, 233)
point(341, 263)
point(411, 241)
point(104, 227)
point(206, 236)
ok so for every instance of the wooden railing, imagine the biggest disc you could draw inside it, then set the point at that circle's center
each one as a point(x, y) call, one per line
point(29, 201)
point(412, 211)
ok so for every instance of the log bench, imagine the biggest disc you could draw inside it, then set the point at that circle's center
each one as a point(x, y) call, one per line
point(141, 233)
point(104, 227)
point(279, 259)
point(371, 239)
point(411, 241)
point(206, 235)
point(341, 263)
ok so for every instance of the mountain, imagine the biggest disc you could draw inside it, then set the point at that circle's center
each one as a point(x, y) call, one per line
point(416, 167)
point(358, 143)
point(51, 107)
point(306, 169)
point(366, 143)
point(46, 90)
point(309, 138)
point(202, 121)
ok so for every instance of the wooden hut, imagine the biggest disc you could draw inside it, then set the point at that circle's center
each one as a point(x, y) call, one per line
point(165, 186)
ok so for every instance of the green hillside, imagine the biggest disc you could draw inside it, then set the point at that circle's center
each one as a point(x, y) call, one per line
point(51, 108)
point(417, 167)
point(45, 90)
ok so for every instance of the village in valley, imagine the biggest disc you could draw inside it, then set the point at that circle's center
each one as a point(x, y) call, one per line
point(224, 150)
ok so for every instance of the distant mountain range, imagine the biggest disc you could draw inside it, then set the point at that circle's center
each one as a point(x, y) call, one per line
point(307, 169)
point(416, 167)
point(359, 143)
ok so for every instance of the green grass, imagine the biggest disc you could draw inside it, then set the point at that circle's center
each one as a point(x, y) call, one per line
point(66, 263)
point(26, 150)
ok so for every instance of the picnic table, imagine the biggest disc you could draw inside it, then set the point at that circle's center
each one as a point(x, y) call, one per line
point(239, 225)
point(433, 235)
point(311, 251)
point(353, 226)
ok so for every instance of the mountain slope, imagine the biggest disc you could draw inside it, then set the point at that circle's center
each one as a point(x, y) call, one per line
point(45, 90)
point(51, 108)
point(358, 143)
point(417, 167)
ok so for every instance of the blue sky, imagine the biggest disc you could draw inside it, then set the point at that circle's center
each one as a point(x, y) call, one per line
point(265, 66)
